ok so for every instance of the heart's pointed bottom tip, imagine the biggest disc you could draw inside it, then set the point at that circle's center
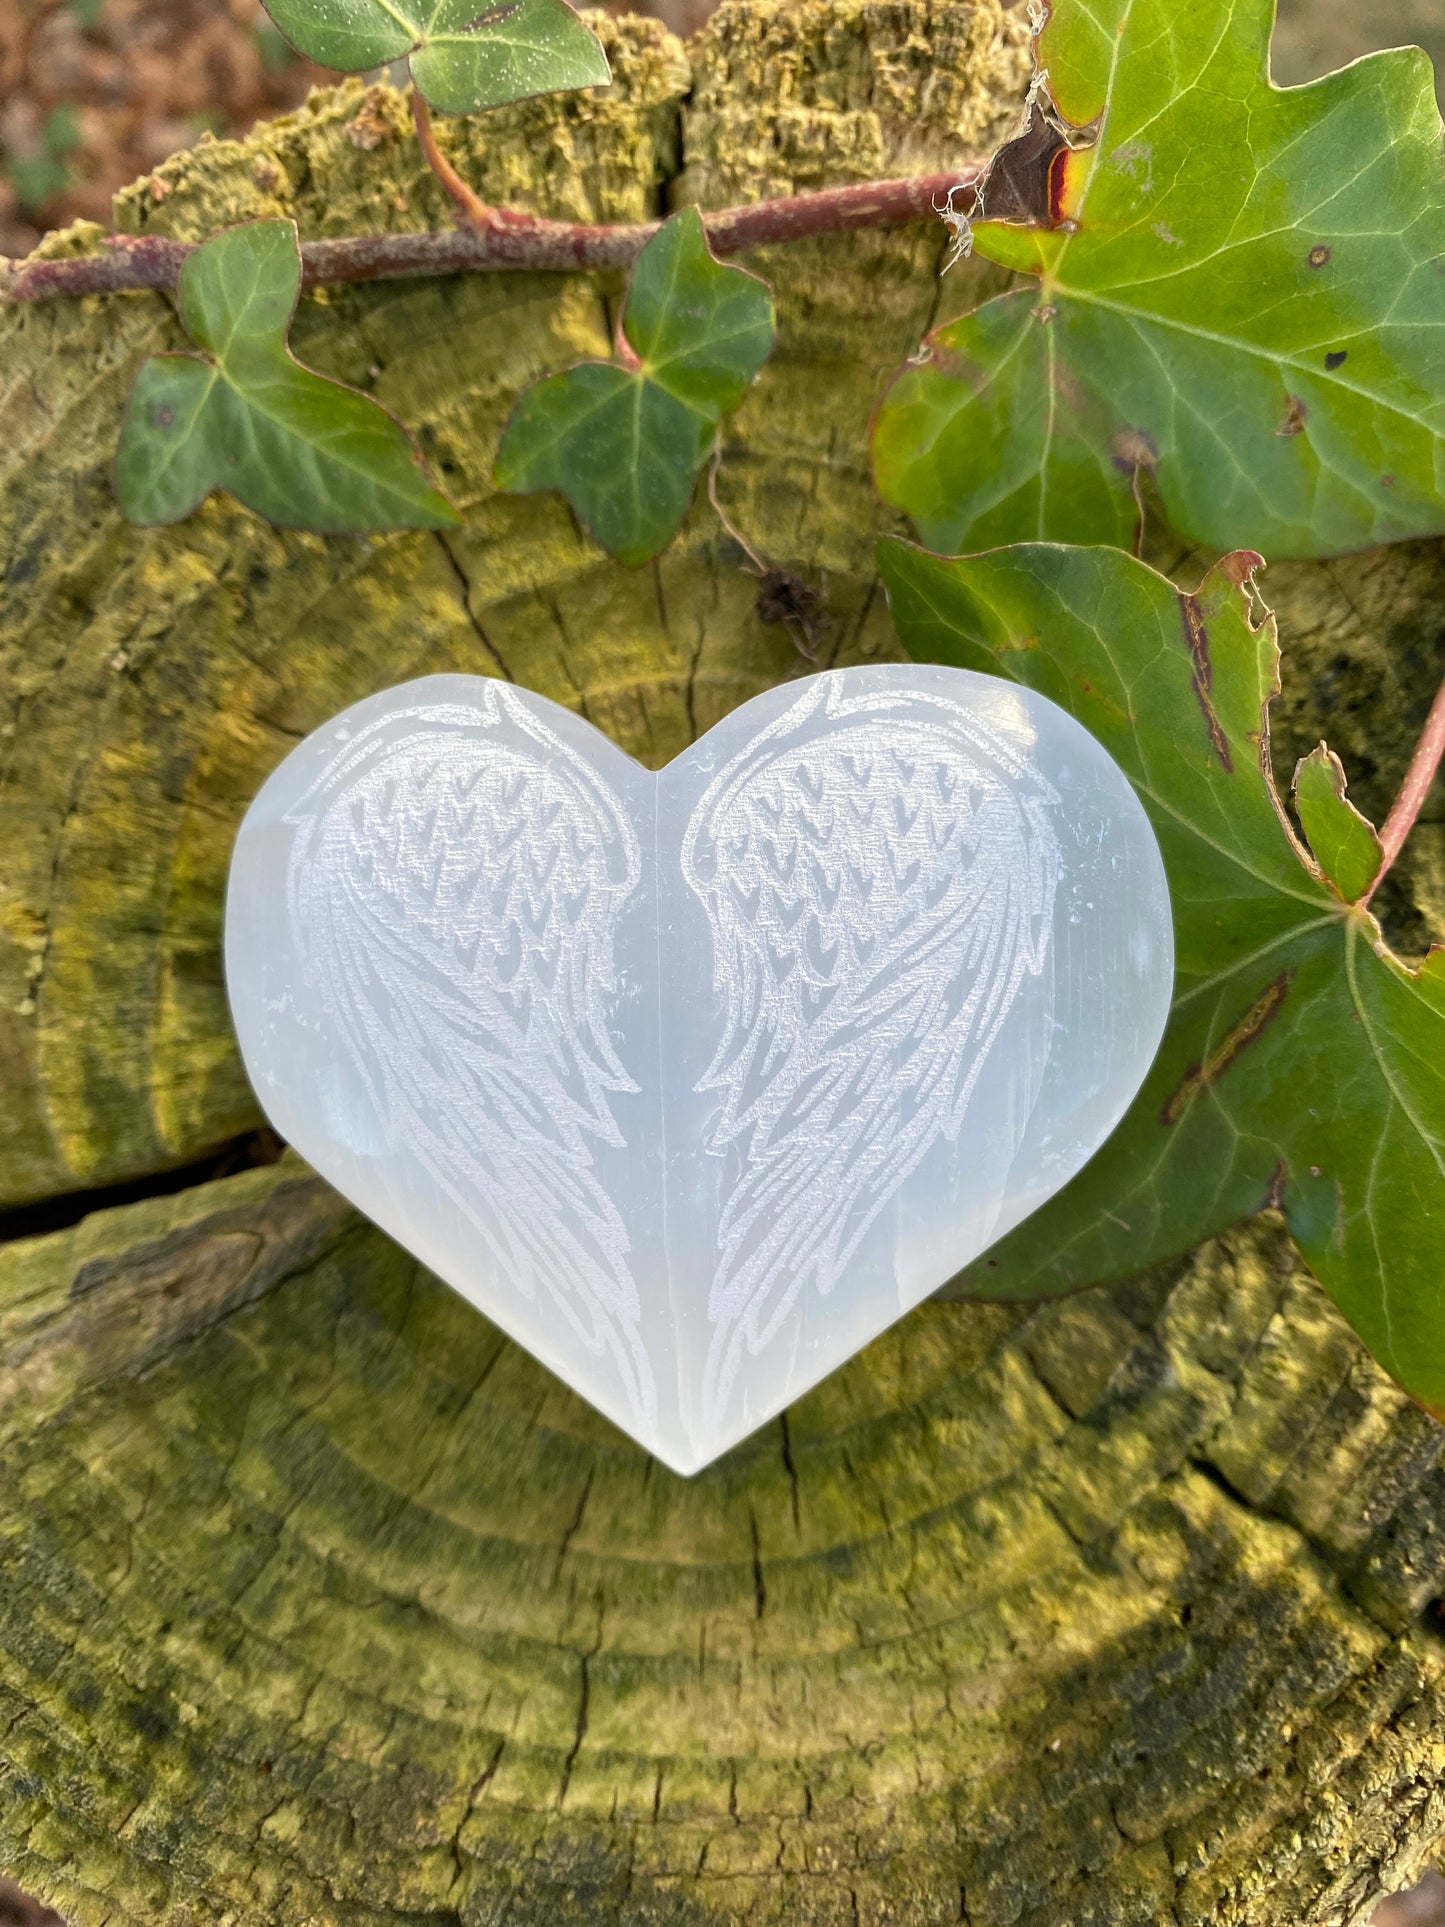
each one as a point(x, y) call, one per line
point(685, 1468)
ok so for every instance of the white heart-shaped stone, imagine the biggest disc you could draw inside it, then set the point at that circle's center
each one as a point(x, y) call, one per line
point(696, 1080)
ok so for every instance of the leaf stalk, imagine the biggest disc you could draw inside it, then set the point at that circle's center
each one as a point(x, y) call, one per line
point(472, 210)
point(1405, 810)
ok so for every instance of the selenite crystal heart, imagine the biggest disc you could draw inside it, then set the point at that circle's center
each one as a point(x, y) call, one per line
point(694, 1081)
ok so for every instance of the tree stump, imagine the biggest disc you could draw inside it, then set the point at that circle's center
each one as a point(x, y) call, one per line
point(320, 1601)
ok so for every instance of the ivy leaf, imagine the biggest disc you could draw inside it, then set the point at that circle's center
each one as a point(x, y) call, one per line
point(245, 416)
point(625, 440)
point(1303, 1065)
point(1344, 843)
point(1239, 291)
point(465, 54)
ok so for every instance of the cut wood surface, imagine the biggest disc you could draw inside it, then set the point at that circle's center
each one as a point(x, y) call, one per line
point(320, 1601)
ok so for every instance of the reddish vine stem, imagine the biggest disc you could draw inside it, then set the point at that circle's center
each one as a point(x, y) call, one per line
point(473, 210)
point(1405, 810)
point(508, 240)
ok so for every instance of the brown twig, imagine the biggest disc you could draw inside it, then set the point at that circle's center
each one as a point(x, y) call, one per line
point(1404, 811)
point(508, 240)
point(782, 596)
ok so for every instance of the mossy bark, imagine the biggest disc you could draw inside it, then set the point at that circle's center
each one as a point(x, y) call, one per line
point(320, 1602)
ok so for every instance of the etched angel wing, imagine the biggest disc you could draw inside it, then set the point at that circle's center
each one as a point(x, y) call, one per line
point(454, 894)
point(877, 895)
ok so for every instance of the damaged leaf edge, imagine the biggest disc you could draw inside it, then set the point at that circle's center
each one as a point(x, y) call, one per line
point(1354, 920)
point(1323, 757)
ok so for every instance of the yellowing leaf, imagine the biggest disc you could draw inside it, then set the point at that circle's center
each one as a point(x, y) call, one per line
point(1240, 291)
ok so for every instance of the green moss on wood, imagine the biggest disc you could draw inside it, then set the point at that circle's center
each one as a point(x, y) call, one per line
point(320, 1601)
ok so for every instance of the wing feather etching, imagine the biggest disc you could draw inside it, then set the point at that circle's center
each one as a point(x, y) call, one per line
point(454, 892)
point(877, 896)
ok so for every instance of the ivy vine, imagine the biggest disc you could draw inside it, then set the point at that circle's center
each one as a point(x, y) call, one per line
point(1229, 317)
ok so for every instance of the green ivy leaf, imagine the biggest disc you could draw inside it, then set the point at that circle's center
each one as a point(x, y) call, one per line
point(1240, 291)
point(465, 54)
point(245, 416)
point(625, 441)
point(1344, 843)
point(1303, 1065)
